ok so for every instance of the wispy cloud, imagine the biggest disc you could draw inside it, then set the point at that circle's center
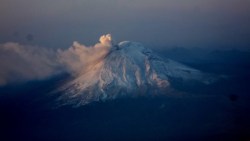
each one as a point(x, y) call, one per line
point(78, 58)
point(23, 62)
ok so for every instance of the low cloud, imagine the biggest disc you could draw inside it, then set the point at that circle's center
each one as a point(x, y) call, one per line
point(23, 62)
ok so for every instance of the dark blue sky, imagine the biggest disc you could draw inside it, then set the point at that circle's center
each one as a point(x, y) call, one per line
point(184, 23)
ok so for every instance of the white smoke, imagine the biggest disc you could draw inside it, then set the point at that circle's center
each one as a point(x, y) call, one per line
point(23, 62)
point(78, 58)
point(20, 63)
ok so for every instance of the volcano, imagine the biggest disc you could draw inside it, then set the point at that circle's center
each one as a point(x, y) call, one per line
point(125, 91)
point(127, 69)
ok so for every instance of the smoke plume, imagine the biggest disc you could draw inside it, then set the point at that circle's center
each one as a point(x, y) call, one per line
point(24, 62)
point(78, 58)
point(21, 63)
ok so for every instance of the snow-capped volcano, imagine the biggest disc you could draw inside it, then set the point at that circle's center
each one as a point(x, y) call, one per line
point(127, 68)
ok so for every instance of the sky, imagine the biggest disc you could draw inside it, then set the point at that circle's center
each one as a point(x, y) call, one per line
point(160, 23)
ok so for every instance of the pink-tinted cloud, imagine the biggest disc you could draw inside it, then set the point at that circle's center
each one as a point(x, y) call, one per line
point(22, 62)
point(79, 58)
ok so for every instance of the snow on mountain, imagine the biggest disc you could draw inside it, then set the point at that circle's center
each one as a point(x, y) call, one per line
point(127, 69)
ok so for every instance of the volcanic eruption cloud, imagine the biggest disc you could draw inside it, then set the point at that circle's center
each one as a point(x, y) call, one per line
point(78, 57)
point(24, 62)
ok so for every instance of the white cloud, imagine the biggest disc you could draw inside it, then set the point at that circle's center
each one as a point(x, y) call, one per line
point(24, 62)
point(21, 63)
point(78, 58)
